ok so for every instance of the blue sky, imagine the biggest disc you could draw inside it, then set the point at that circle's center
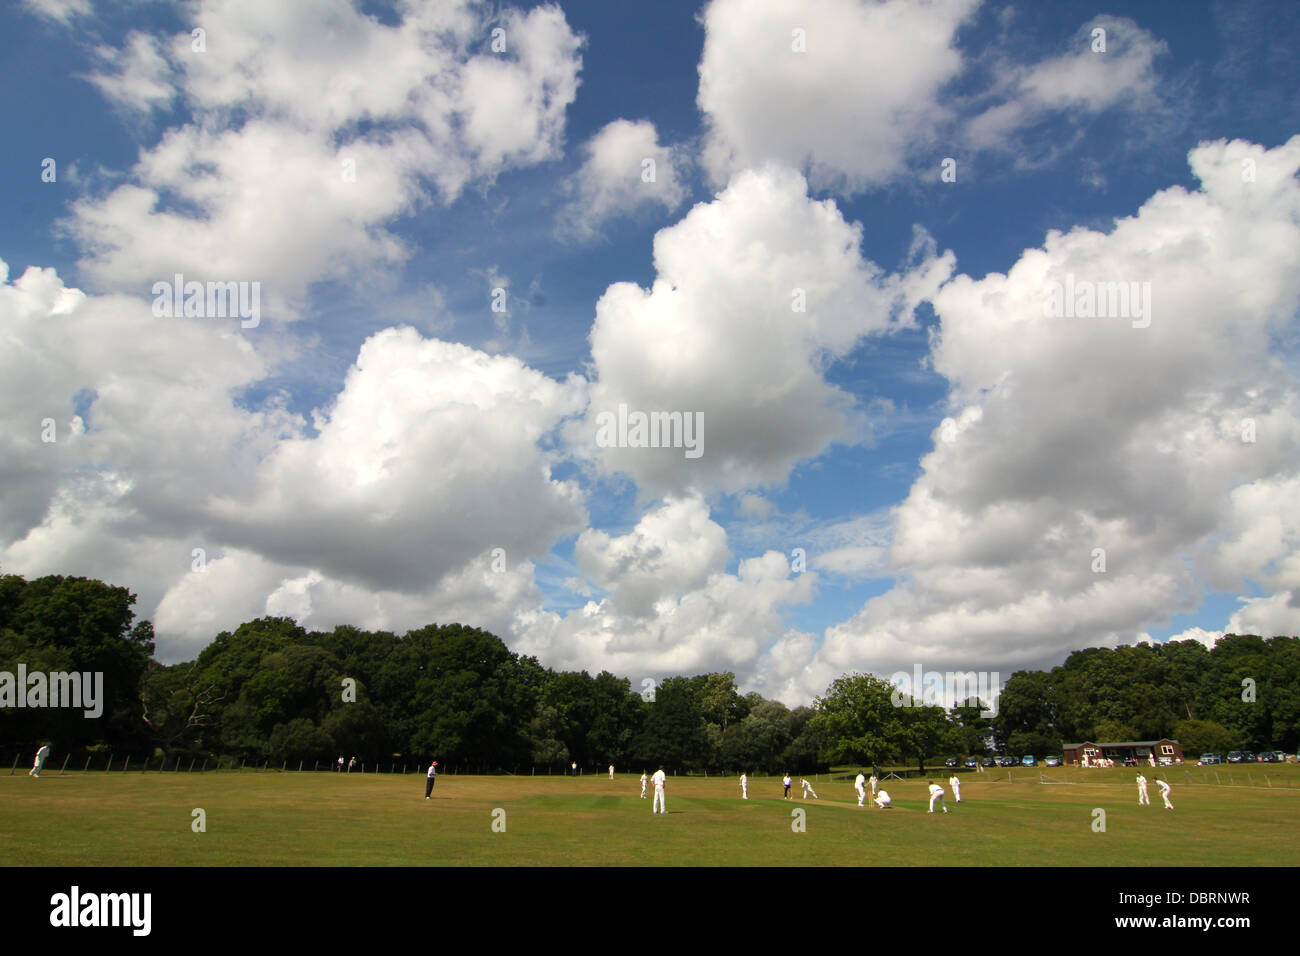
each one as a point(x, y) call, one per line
point(360, 454)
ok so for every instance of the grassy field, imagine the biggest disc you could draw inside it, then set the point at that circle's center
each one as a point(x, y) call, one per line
point(327, 819)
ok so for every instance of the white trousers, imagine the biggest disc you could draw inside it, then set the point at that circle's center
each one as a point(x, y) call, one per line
point(862, 794)
point(744, 791)
point(956, 792)
point(939, 797)
point(1164, 795)
point(1142, 797)
point(660, 804)
point(643, 791)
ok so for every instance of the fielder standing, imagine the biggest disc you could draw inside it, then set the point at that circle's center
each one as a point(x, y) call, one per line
point(860, 785)
point(1143, 799)
point(611, 771)
point(956, 787)
point(429, 779)
point(644, 781)
point(875, 782)
point(744, 786)
point(660, 780)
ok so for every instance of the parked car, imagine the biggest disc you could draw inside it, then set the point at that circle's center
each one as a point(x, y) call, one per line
point(1272, 756)
point(1052, 761)
point(1028, 761)
point(990, 761)
point(972, 763)
point(1209, 759)
point(1007, 761)
point(1241, 756)
point(952, 762)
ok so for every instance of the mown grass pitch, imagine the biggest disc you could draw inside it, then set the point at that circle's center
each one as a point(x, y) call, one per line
point(328, 819)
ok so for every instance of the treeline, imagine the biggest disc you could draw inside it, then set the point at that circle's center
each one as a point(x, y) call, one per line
point(273, 690)
point(1242, 694)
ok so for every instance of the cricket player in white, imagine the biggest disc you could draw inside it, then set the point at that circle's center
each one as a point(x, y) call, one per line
point(807, 789)
point(744, 786)
point(1165, 790)
point(874, 783)
point(956, 787)
point(860, 785)
point(1142, 791)
point(644, 781)
point(39, 762)
point(611, 771)
point(660, 780)
point(883, 800)
point(936, 793)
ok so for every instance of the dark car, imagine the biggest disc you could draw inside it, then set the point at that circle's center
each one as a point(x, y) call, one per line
point(972, 763)
point(1241, 756)
point(1008, 762)
point(1272, 756)
point(1051, 761)
point(990, 761)
point(952, 762)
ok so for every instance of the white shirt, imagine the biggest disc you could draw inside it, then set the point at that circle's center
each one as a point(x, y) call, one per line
point(884, 797)
point(660, 778)
point(743, 779)
point(954, 782)
point(644, 778)
point(786, 781)
point(432, 771)
point(1164, 787)
point(936, 790)
point(857, 784)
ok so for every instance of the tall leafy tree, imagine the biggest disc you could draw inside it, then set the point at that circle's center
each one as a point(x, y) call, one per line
point(858, 721)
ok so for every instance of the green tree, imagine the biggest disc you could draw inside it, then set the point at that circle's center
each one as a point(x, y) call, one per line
point(674, 730)
point(85, 626)
point(926, 732)
point(1197, 737)
point(858, 722)
point(760, 740)
point(299, 739)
